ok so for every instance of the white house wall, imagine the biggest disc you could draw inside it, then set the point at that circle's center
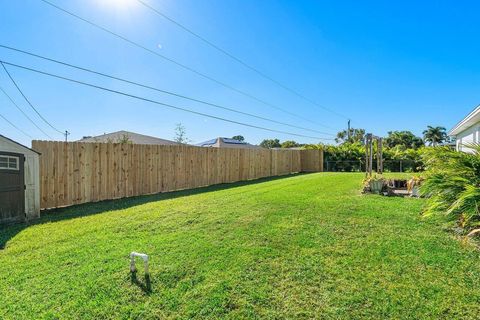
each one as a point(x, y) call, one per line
point(468, 136)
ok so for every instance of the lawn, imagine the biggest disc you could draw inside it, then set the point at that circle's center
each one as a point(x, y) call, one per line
point(306, 246)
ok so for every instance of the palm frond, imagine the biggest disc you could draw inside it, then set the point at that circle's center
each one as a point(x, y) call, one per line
point(452, 184)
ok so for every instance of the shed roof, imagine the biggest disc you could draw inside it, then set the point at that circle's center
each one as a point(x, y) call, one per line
point(27, 149)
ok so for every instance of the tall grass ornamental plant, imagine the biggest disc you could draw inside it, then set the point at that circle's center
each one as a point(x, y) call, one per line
point(452, 184)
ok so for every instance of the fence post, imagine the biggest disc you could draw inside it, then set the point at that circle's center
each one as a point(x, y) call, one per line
point(321, 160)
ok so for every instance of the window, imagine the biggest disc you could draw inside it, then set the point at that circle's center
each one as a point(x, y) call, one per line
point(9, 163)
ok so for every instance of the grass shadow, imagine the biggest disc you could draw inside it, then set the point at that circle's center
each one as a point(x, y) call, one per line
point(7, 232)
point(145, 287)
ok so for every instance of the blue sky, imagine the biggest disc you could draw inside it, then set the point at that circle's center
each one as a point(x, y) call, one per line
point(386, 65)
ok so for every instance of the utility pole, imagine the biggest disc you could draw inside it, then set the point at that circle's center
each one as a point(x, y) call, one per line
point(66, 134)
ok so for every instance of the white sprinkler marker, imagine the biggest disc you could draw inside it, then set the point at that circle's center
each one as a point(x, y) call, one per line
point(133, 255)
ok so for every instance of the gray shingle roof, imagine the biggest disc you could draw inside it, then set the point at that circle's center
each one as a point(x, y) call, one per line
point(132, 136)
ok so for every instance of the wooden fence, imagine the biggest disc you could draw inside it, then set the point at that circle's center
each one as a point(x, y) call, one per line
point(74, 172)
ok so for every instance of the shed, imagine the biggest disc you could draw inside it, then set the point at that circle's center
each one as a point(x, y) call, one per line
point(19, 182)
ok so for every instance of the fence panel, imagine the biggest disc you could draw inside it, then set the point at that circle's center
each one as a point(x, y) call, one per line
point(75, 172)
point(311, 160)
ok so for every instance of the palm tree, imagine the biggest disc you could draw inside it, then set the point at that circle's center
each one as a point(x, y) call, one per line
point(435, 135)
point(356, 135)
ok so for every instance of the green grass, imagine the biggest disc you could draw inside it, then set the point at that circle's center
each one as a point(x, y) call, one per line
point(307, 246)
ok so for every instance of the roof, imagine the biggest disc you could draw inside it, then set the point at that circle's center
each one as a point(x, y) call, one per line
point(135, 138)
point(19, 144)
point(233, 141)
point(226, 143)
point(207, 143)
point(471, 119)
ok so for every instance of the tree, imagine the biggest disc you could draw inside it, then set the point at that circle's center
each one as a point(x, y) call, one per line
point(239, 138)
point(290, 144)
point(270, 143)
point(125, 138)
point(356, 135)
point(180, 134)
point(405, 139)
point(435, 135)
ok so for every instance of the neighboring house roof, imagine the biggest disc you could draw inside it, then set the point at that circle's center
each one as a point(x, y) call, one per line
point(135, 138)
point(471, 119)
point(19, 144)
point(227, 143)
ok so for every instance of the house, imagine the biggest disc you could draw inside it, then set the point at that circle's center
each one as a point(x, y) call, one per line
point(127, 136)
point(467, 131)
point(227, 143)
point(19, 182)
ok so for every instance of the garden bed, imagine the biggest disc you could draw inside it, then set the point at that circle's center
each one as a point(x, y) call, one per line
point(392, 186)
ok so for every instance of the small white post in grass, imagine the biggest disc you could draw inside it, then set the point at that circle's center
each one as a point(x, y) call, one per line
point(133, 255)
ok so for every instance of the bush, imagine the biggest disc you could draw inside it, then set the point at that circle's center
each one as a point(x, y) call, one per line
point(411, 159)
point(452, 184)
point(349, 157)
point(346, 157)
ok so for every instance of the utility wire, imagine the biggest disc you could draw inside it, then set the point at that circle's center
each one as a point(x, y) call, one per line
point(181, 65)
point(240, 61)
point(28, 101)
point(3, 117)
point(23, 112)
point(160, 103)
point(160, 90)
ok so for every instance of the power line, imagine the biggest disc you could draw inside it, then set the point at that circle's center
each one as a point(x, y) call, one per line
point(23, 112)
point(160, 103)
point(240, 61)
point(3, 117)
point(181, 65)
point(28, 101)
point(160, 90)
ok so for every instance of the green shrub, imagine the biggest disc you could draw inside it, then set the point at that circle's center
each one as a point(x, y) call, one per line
point(350, 157)
point(411, 159)
point(452, 184)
